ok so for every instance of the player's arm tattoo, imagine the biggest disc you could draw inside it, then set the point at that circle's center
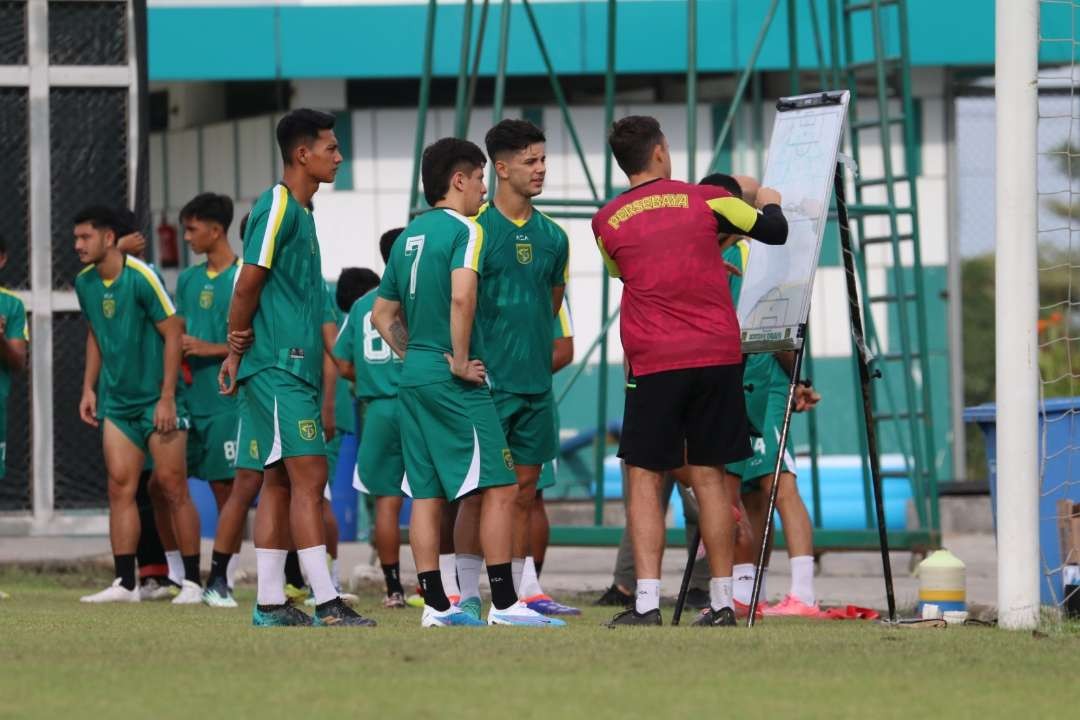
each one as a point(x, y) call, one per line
point(399, 337)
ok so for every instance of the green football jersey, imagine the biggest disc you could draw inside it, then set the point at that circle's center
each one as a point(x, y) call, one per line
point(522, 263)
point(378, 368)
point(344, 410)
point(288, 322)
point(758, 369)
point(14, 313)
point(202, 299)
point(737, 255)
point(418, 276)
point(123, 314)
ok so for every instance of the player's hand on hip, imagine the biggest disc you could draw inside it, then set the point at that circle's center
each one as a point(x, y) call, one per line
point(165, 415)
point(190, 345)
point(88, 408)
point(766, 196)
point(472, 371)
point(240, 340)
point(227, 374)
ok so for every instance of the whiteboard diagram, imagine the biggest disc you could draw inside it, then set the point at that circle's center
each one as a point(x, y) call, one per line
point(775, 298)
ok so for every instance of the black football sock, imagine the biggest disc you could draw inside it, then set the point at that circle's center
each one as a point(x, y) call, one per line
point(219, 564)
point(392, 574)
point(501, 578)
point(293, 576)
point(434, 595)
point(191, 568)
point(124, 566)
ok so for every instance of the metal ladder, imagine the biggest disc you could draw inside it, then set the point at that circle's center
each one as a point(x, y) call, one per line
point(901, 413)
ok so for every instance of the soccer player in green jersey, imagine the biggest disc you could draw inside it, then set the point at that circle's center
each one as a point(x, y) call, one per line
point(203, 292)
point(134, 324)
point(14, 337)
point(450, 433)
point(278, 302)
point(521, 289)
point(364, 358)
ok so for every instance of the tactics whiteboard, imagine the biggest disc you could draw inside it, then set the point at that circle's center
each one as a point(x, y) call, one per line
point(778, 281)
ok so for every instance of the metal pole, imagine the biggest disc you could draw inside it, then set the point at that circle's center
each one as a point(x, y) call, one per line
point(560, 98)
point(775, 489)
point(600, 449)
point(41, 278)
point(460, 107)
point(793, 48)
point(474, 78)
point(1017, 308)
point(500, 82)
point(684, 587)
point(740, 88)
point(855, 312)
point(422, 107)
point(819, 46)
point(691, 89)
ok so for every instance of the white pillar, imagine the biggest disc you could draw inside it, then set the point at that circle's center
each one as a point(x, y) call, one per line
point(1017, 306)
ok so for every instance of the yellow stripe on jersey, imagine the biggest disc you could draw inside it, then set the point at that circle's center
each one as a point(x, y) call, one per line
point(744, 253)
point(155, 282)
point(87, 269)
point(737, 211)
point(273, 225)
point(609, 263)
point(565, 321)
point(476, 238)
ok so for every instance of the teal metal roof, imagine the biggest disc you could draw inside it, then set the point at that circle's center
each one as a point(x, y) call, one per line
point(371, 40)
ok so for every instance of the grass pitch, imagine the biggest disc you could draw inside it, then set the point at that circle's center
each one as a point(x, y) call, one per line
point(61, 659)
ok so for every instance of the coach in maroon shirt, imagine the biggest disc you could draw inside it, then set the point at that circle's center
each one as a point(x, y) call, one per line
point(680, 334)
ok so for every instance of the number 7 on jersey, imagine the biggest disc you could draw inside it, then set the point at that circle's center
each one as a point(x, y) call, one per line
point(414, 246)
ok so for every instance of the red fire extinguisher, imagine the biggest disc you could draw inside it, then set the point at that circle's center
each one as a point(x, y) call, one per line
point(168, 249)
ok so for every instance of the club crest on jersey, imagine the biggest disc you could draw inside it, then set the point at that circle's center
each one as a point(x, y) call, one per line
point(508, 459)
point(308, 429)
point(206, 298)
point(108, 307)
point(253, 450)
point(524, 252)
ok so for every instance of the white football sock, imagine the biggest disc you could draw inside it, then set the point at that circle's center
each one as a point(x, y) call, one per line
point(334, 576)
point(516, 566)
point(468, 571)
point(230, 570)
point(317, 573)
point(530, 583)
point(802, 578)
point(448, 571)
point(648, 596)
point(270, 566)
point(744, 582)
point(720, 593)
point(176, 566)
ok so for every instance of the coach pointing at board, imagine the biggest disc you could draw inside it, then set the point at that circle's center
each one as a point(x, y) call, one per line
point(680, 334)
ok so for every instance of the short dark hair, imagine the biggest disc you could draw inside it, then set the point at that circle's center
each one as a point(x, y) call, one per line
point(441, 160)
point(725, 181)
point(100, 217)
point(302, 125)
point(352, 284)
point(512, 135)
point(243, 225)
point(632, 140)
point(209, 207)
point(386, 242)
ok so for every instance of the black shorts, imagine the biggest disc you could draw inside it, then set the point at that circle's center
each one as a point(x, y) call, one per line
point(696, 416)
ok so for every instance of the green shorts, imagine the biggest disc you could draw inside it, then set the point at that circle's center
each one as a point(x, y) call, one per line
point(138, 425)
point(248, 456)
point(280, 414)
point(211, 447)
point(765, 404)
point(550, 468)
point(530, 425)
point(452, 440)
point(380, 464)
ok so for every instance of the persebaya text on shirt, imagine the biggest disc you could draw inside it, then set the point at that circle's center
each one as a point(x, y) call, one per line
point(649, 202)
